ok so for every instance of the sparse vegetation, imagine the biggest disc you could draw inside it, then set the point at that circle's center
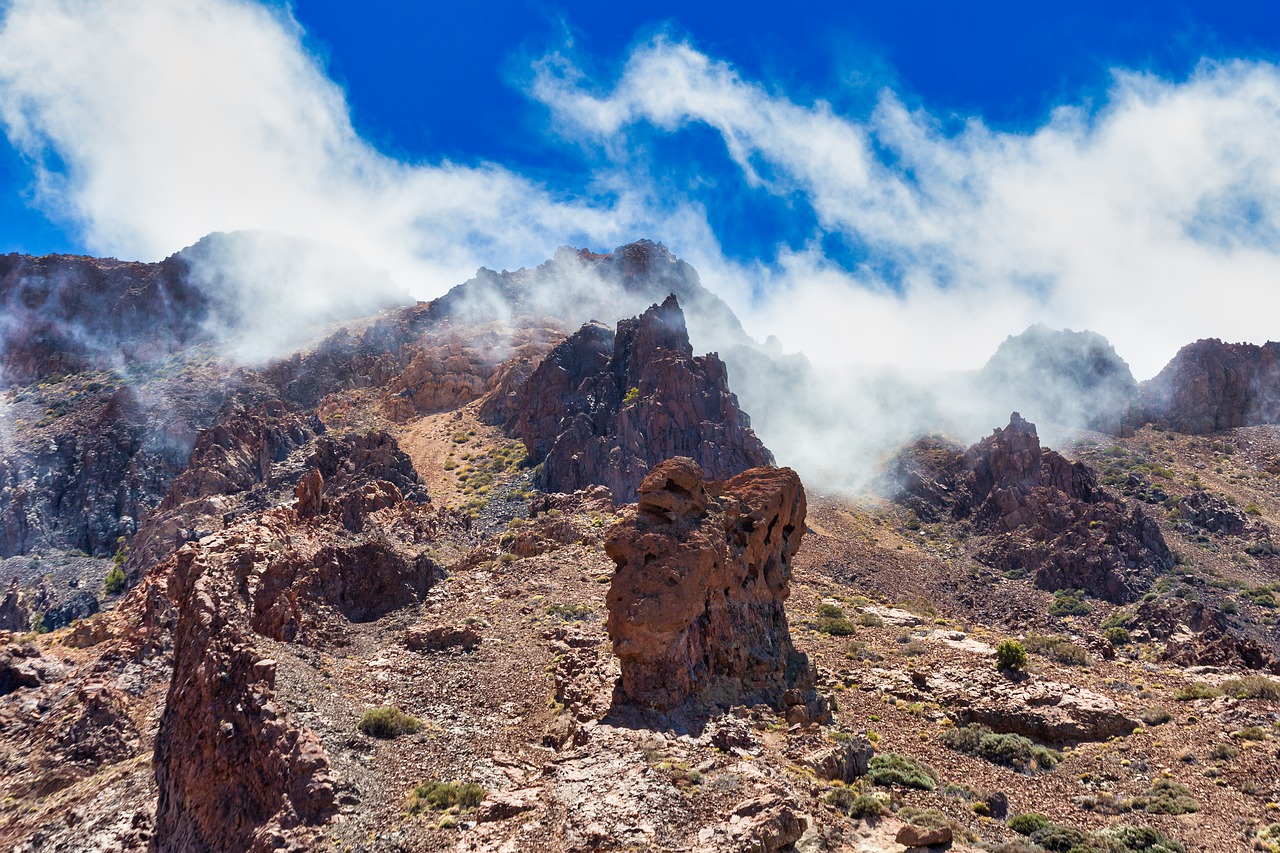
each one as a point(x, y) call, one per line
point(857, 804)
point(1197, 690)
point(1252, 687)
point(1118, 636)
point(1009, 750)
point(1165, 796)
point(1026, 824)
point(890, 768)
point(1156, 715)
point(114, 582)
point(441, 796)
point(388, 722)
point(1011, 656)
point(1068, 602)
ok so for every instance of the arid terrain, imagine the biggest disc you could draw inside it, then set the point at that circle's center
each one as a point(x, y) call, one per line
point(449, 581)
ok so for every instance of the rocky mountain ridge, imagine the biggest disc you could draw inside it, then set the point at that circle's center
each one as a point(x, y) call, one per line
point(391, 593)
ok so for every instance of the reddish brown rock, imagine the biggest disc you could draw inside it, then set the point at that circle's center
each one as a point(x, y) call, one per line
point(923, 836)
point(1210, 386)
point(1044, 515)
point(703, 568)
point(421, 638)
point(602, 408)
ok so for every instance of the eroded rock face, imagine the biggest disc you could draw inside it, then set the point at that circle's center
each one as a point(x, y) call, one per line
point(696, 605)
point(1045, 515)
point(1210, 385)
point(234, 769)
point(602, 408)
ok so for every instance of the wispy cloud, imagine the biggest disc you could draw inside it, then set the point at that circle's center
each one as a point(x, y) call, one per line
point(1150, 217)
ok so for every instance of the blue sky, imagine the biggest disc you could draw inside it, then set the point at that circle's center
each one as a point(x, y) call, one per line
point(906, 163)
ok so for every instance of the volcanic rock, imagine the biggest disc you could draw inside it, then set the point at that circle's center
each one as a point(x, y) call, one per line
point(1210, 386)
point(602, 408)
point(1069, 377)
point(923, 836)
point(1044, 515)
point(696, 604)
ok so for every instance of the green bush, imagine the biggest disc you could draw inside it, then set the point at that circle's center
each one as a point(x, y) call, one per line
point(1067, 602)
point(1009, 750)
point(1222, 752)
point(1252, 687)
point(855, 804)
point(890, 768)
point(388, 723)
point(1156, 715)
point(870, 620)
point(1165, 796)
point(114, 582)
point(1197, 690)
point(838, 627)
point(1144, 839)
point(1059, 839)
point(1025, 824)
point(1011, 655)
point(438, 796)
point(1069, 654)
point(1118, 636)
point(928, 818)
point(830, 611)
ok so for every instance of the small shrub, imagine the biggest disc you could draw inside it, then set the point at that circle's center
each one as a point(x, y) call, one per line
point(1059, 839)
point(1252, 733)
point(1069, 654)
point(928, 818)
point(1026, 824)
point(570, 612)
point(1009, 750)
point(1118, 636)
point(835, 627)
point(890, 768)
point(113, 584)
point(870, 620)
point(1067, 602)
point(1252, 687)
point(857, 805)
point(1102, 803)
point(1223, 752)
point(1143, 839)
point(1011, 655)
point(1197, 690)
point(830, 611)
point(438, 796)
point(388, 723)
point(1156, 715)
point(1165, 796)
point(631, 396)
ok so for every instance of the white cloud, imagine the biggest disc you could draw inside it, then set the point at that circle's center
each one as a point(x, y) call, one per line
point(1152, 220)
point(155, 122)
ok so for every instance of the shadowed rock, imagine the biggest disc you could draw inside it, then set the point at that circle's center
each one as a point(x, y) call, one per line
point(1210, 386)
point(602, 408)
point(1044, 514)
point(696, 605)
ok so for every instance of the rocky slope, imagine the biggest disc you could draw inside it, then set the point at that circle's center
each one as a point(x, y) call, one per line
point(358, 617)
point(1041, 514)
point(1210, 386)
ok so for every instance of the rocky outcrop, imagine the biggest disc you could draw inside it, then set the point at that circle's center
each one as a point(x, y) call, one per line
point(696, 604)
point(1073, 378)
point(235, 770)
point(1044, 515)
point(1210, 386)
point(603, 408)
point(67, 313)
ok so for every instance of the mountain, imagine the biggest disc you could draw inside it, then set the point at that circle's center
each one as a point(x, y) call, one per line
point(514, 569)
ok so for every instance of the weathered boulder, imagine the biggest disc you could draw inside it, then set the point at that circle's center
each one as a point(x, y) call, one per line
point(844, 761)
point(923, 836)
point(696, 604)
point(1210, 386)
point(1043, 514)
point(421, 638)
point(766, 824)
point(602, 408)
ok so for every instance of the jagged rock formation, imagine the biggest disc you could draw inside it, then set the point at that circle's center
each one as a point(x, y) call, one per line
point(1210, 385)
point(68, 313)
point(1060, 375)
point(1044, 515)
point(696, 605)
point(235, 771)
point(602, 408)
